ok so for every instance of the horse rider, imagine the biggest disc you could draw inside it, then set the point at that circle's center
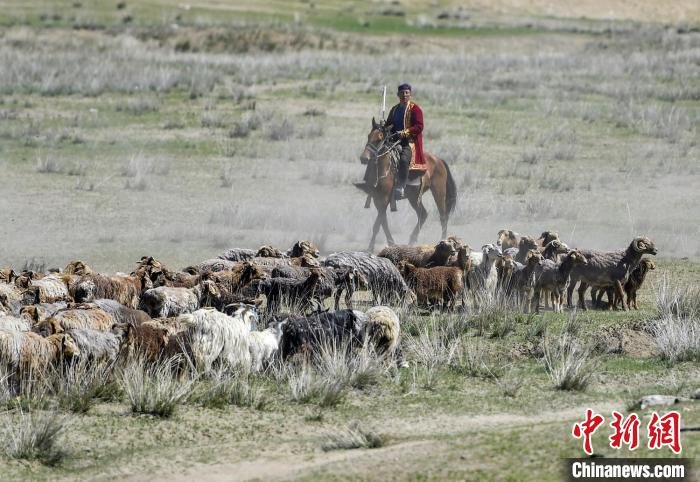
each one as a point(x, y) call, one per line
point(406, 120)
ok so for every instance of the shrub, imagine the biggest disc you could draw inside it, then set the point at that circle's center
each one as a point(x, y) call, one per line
point(568, 364)
point(227, 389)
point(678, 338)
point(154, 389)
point(352, 437)
point(35, 437)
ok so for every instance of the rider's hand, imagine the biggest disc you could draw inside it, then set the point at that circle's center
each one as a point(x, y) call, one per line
point(404, 133)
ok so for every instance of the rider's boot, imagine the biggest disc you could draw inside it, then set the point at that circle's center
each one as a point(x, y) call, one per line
point(401, 180)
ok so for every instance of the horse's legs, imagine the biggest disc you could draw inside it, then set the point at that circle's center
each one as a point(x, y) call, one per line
point(440, 196)
point(375, 229)
point(421, 212)
point(385, 226)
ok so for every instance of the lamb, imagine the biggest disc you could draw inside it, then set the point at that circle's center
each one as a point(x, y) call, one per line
point(420, 256)
point(526, 244)
point(482, 278)
point(264, 344)
point(383, 278)
point(635, 281)
point(439, 283)
point(126, 289)
point(79, 316)
point(218, 338)
point(382, 330)
point(553, 277)
point(27, 352)
point(165, 301)
point(523, 279)
point(297, 292)
point(304, 336)
point(608, 269)
point(95, 345)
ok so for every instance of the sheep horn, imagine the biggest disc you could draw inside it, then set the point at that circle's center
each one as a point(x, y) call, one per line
point(638, 244)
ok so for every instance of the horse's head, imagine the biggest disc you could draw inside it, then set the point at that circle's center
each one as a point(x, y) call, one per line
point(375, 140)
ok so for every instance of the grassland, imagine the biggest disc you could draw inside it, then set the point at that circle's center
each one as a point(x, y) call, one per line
point(178, 132)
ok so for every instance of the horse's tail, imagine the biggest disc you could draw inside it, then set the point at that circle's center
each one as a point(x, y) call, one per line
point(451, 196)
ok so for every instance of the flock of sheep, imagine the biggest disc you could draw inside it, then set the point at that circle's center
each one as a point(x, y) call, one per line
point(210, 312)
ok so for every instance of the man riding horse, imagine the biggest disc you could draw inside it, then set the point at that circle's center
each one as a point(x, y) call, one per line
point(406, 119)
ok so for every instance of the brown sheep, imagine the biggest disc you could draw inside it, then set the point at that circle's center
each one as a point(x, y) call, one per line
point(269, 252)
point(421, 256)
point(507, 239)
point(78, 268)
point(126, 289)
point(148, 340)
point(439, 283)
point(79, 316)
point(7, 275)
point(635, 281)
point(547, 237)
point(300, 248)
point(28, 352)
point(230, 284)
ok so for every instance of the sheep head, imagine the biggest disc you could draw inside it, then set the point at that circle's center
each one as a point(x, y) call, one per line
point(505, 264)
point(647, 264)
point(533, 257)
point(268, 252)
point(643, 245)
point(78, 268)
point(302, 247)
point(7, 275)
point(445, 249)
point(507, 239)
point(455, 242)
point(309, 261)
point(247, 312)
point(527, 243)
point(490, 251)
point(557, 246)
point(576, 257)
point(548, 236)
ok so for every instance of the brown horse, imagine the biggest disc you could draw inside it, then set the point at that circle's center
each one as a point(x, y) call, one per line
point(437, 178)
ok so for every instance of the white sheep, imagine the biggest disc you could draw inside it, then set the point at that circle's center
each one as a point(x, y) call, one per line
point(382, 329)
point(264, 344)
point(218, 338)
point(10, 323)
point(166, 301)
point(95, 345)
point(483, 277)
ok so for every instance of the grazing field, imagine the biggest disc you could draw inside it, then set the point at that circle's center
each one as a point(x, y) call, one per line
point(177, 131)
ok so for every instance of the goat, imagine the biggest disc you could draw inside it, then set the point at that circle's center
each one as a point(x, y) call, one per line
point(482, 278)
point(332, 281)
point(608, 269)
point(297, 292)
point(526, 244)
point(264, 344)
point(218, 338)
point(523, 279)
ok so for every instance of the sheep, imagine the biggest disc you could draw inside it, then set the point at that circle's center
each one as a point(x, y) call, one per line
point(218, 338)
point(7, 275)
point(24, 279)
point(120, 313)
point(297, 292)
point(383, 278)
point(507, 239)
point(126, 289)
point(332, 280)
point(523, 279)
point(231, 285)
point(211, 266)
point(269, 252)
point(526, 244)
point(264, 344)
point(11, 323)
point(305, 335)
point(505, 266)
point(95, 345)
point(79, 316)
point(27, 352)
point(11, 298)
point(635, 281)
point(300, 248)
point(553, 277)
point(149, 339)
point(51, 288)
point(237, 254)
point(553, 249)
point(77, 268)
point(547, 237)
point(482, 278)
point(41, 311)
point(439, 283)
point(420, 256)
point(382, 329)
point(608, 269)
point(164, 301)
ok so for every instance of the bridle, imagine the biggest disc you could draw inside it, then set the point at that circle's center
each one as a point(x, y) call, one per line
point(380, 149)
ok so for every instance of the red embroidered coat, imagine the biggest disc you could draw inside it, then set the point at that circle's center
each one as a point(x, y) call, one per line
point(413, 122)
